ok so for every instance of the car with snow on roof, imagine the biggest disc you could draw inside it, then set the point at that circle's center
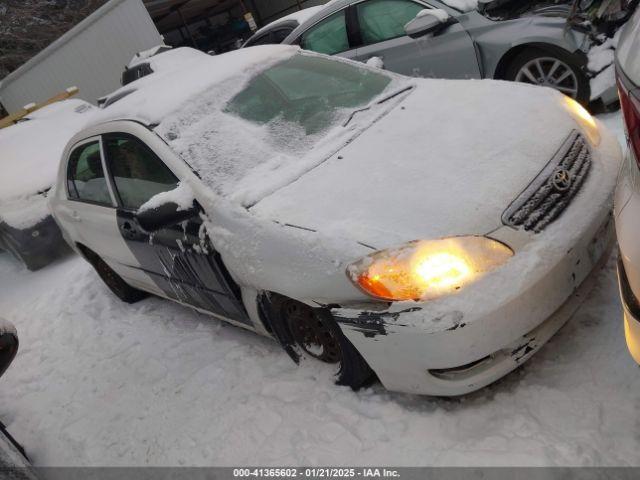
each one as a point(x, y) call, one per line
point(31, 152)
point(533, 42)
point(433, 233)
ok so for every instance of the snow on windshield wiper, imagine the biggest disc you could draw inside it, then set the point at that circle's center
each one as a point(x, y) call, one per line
point(381, 101)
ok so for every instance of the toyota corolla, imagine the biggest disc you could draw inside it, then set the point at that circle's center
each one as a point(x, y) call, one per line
point(435, 233)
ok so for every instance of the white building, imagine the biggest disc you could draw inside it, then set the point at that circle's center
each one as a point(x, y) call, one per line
point(91, 56)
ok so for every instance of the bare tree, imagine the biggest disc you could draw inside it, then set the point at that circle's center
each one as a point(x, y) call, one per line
point(28, 26)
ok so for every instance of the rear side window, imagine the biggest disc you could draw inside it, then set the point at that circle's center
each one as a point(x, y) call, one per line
point(382, 20)
point(137, 172)
point(85, 176)
point(329, 36)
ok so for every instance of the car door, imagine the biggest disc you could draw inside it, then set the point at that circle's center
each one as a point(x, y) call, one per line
point(179, 258)
point(90, 213)
point(446, 54)
point(331, 36)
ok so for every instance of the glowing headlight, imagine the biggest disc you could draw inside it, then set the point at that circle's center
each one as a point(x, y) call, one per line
point(584, 119)
point(427, 269)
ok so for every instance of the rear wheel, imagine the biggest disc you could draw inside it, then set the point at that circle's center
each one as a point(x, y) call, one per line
point(555, 69)
point(116, 284)
point(318, 335)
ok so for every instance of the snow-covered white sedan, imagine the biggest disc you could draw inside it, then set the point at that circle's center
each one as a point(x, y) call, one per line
point(433, 232)
point(29, 157)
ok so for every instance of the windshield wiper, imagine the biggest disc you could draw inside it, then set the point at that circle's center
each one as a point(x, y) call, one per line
point(395, 94)
point(354, 113)
point(379, 102)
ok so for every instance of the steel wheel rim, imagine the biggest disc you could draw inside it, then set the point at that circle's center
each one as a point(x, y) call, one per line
point(312, 334)
point(549, 72)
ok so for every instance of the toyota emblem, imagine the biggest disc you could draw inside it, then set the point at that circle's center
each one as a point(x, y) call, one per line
point(561, 180)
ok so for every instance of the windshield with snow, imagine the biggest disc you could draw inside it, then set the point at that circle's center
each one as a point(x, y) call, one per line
point(309, 91)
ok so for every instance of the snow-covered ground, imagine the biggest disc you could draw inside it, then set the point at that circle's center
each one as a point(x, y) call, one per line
point(99, 382)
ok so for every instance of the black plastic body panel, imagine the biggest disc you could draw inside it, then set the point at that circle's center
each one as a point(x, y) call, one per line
point(35, 246)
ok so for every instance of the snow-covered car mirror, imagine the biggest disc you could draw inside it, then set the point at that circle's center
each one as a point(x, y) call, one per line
point(165, 215)
point(427, 21)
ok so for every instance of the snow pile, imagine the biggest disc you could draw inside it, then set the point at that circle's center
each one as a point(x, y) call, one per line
point(375, 62)
point(462, 5)
point(31, 152)
point(175, 58)
point(434, 12)
point(600, 64)
point(181, 196)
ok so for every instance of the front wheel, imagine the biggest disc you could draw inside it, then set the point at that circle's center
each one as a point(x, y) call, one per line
point(555, 69)
point(316, 333)
point(115, 282)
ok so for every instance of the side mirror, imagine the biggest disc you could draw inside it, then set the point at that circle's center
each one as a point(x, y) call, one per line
point(166, 215)
point(429, 20)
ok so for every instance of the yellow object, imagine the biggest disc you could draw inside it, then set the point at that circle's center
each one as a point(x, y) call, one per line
point(32, 107)
point(632, 335)
point(428, 269)
point(584, 119)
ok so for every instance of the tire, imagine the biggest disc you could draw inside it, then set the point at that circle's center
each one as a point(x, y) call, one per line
point(297, 322)
point(112, 280)
point(8, 349)
point(555, 64)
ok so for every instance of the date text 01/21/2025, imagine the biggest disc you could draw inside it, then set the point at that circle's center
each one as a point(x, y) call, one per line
point(319, 472)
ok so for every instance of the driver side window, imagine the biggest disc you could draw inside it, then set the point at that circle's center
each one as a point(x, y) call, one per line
point(329, 36)
point(382, 20)
point(138, 173)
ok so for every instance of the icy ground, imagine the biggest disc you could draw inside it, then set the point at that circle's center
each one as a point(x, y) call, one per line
point(98, 382)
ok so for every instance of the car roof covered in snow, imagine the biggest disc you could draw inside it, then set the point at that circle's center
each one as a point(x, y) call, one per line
point(168, 59)
point(31, 149)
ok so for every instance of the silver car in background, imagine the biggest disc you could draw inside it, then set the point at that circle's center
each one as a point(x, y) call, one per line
point(429, 38)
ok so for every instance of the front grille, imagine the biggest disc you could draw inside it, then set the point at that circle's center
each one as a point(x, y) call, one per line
point(553, 189)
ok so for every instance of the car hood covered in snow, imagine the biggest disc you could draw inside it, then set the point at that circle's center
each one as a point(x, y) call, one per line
point(448, 160)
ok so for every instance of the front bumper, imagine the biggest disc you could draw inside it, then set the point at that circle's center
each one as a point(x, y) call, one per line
point(473, 349)
point(461, 343)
